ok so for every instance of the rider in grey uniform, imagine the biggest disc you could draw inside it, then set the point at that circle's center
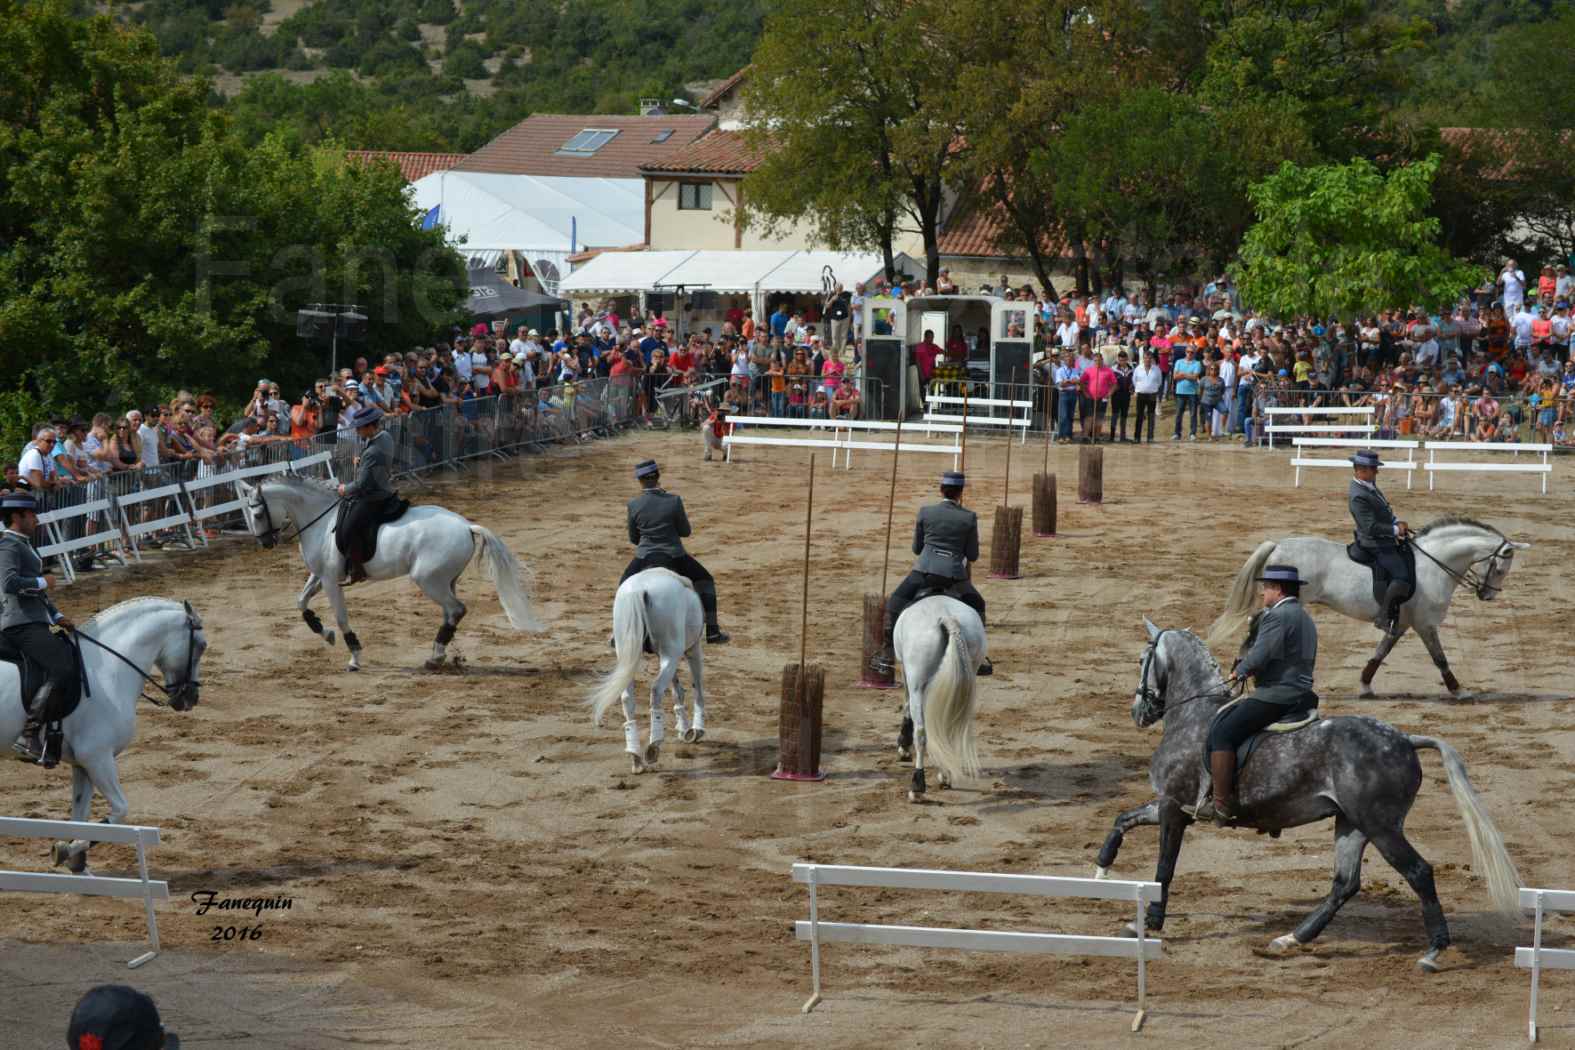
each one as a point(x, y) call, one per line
point(369, 493)
point(1283, 652)
point(946, 539)
point(1379, 534)
point(657, 526)
point(26, 616)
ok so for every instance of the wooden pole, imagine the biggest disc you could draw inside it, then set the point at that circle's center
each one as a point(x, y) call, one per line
point(1049, 393)
point(891, 503)
point(1006, 485)
point(803, 687)
point(803, 626)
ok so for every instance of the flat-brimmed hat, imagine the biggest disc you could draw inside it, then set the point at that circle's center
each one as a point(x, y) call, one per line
point(1280, 574)
point(366, 415)
point(953, 479)
point(18, 501)
point(646, 468)
point(114, 1016)
point(1366, 458)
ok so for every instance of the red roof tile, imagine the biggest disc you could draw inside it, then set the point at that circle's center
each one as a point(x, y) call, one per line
point(721, 90)
point(978, 228)
point(531, 146)
point(412, 165)
point(719, 153)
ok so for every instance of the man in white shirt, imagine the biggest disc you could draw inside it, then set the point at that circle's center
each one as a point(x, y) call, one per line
point(1564, 284)
point(1514, 284)
point(1134, 310)
point(35, 467)
point(1066, 334)
point(1156, 315)
point(1093, 314)
point(1521, 321)
point(517, 346)
point(1146, 381)
point(1228, 399)
point(147, 436)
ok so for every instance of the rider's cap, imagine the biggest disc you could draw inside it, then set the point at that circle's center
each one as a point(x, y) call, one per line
point(646, 469)
point(18, 501)
point(1366, 458)
point(117, 1017)
point(953, 478)
point(1280, 574)
point(365, 416)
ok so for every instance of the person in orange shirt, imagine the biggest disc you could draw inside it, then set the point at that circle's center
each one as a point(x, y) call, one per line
point(303, 419)
point(747, 328)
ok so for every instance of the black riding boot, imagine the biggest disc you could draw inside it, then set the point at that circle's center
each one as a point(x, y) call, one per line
point(714, 635)
point(1222, 767)
point(885, 661)
point(30, 745)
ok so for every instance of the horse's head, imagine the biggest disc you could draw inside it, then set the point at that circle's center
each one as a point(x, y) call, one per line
point(262, 521)
point(1174, 657)
point(1498, 565)
point(178, 659)
point(1148, 703)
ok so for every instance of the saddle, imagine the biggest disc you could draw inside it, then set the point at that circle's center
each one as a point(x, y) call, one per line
point(32, 678)
point(1361, 556)
point(358, 521)
point(1294, 718)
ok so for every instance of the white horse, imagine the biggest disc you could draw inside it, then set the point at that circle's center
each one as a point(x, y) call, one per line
point(660, 605)
point(131, 639)
point(429, 544)
point(940, 643)
point(1449, 552)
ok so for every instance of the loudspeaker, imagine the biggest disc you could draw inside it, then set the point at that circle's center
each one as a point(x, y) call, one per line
point(314, 324)
point(352, 327)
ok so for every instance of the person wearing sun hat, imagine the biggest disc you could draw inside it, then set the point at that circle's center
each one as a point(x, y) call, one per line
point(1282, 651)
point(946, 539)
point(118, 1017)
point(1379, 532)
point(370, 498)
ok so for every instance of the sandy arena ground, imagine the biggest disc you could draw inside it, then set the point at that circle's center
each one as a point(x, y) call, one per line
point(471, 863)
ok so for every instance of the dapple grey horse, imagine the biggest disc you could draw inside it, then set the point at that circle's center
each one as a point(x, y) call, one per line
point(133, 638)
point(1362, 772)
point(1449, 552)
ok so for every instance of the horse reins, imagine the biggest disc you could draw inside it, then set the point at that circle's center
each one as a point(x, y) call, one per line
point(272, 535)
point(1153, 699)
point(185, 685)
point(1470, 577)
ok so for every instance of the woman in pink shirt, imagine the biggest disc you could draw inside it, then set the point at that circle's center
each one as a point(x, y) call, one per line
point(832, 371)
point(1098, 382)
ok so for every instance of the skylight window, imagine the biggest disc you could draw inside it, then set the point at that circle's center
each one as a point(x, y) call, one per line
point(663, 135)
point(587, 142)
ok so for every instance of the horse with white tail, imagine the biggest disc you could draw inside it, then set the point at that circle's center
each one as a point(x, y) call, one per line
point(940, 644)
point(431, 545)
point(120, 646)
point(660, 608)
point(1450, 552)
point(1362, 772)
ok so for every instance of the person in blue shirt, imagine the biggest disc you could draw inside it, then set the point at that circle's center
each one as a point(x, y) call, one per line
point(1067, 378)
point(1187, 372)
point(779, 320)
point(649, 345)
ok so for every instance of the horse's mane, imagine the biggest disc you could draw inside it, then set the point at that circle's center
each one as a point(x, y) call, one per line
point(114, 611)
point(1203, 646)
point(298, 481)
point(1456, 519)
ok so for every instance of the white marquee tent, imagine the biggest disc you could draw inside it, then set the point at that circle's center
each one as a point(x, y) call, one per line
point(546, 219)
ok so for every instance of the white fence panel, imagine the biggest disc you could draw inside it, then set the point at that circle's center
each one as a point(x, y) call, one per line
point(1541, 466)
point(56, 523)
point(1142, 948)
point(1298, 461)
point(1537, 958)
point(135, 530)
point(90, 885)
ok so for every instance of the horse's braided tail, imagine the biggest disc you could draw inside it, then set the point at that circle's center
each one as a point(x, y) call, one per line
point(629, 628)
point(949, 704)
point(1489, 859)
point(512, 580)
point(1239, 607)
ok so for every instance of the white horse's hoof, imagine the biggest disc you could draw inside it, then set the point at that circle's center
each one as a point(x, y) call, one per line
point(635, 765)
point(1282, 945)
point(352, 667)
point(693, 736)
point(652, 753)
point(59, 853)
point(1131, 930)
point(1429, 963)
point(1101, 873)
point(943, 780)
point(1367, 694)
point(904, 754)
point(328, 637)
point(1464, 694)
point(915, 796)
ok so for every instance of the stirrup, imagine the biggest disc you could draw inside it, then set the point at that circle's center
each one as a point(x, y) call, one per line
point(714, 635)
point(986, 669)
point(880, 663)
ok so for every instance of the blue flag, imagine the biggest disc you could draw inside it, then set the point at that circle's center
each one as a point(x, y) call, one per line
point(431, 220)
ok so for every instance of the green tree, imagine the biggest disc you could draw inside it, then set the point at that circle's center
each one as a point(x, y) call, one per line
point(1341, 240)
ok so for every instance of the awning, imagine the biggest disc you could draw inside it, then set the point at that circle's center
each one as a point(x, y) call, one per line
point(724, 271)
point(617, 273)
point(807, 271)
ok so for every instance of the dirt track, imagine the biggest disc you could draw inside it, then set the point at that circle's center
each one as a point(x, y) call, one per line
point(468, 856)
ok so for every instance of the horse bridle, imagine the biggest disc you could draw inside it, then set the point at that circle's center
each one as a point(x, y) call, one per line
point(1471, 578)
point(188, 686)
point(1153, 700)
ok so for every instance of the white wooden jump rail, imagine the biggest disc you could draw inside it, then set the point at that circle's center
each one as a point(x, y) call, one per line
point(1011, 419)
point(55, 523)
point(1541, 466)
point(200, 514)
point(1142, 947)
point(841, 437)
point(90, 885)
point(1409, 464)
point(1271, 428)
point(1537, 958)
